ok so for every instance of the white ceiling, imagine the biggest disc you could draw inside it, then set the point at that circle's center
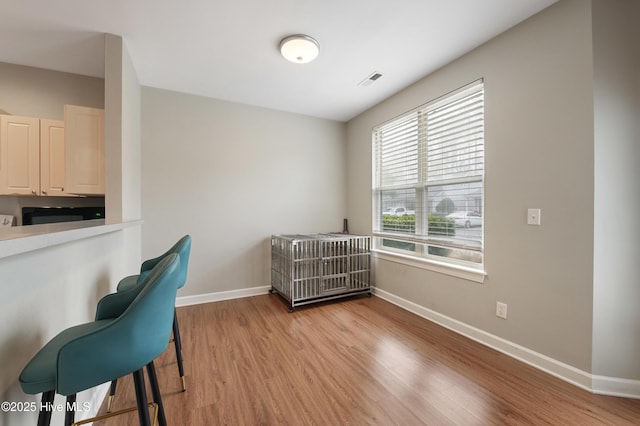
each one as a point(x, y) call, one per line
point(229, 49)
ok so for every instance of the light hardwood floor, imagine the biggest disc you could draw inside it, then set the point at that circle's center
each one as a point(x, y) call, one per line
point(357, 361)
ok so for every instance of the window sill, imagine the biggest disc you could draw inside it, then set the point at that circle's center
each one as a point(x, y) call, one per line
point(459, 271)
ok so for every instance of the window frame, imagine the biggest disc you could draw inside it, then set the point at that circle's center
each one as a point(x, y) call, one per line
point(419, 256)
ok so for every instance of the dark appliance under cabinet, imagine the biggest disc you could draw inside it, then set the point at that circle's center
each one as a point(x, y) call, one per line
point(38, 215)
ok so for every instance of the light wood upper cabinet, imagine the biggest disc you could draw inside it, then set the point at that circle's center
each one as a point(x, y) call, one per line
point(19, 155)
point(84, 136)
point(52, 157)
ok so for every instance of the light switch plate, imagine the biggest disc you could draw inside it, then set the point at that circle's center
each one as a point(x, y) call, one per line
point(533, 217)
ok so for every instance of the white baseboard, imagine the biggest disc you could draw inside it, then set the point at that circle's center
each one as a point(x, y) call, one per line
point(221, 295)
point(596, 384)
point(614, 386)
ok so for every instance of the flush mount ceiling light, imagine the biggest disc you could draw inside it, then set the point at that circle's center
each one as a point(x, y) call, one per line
point(299, 48)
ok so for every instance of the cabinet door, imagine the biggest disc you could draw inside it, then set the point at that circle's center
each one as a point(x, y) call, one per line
point(84, 158)
point(19, 155)
point(52, 157)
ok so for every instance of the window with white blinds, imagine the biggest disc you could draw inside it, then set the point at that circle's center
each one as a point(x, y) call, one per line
point(428, 186)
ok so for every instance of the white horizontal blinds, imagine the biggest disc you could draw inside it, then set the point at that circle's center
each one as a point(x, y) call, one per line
point(397, 172)
point(397, 147)
point(454, 163)
point(455, 137)
point(429, 165)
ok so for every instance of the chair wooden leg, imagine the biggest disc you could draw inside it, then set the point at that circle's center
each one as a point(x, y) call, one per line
point(141, 398)
point(70, 413)
point(155, 391)
point(46, 408)
point(112, 392)
point(177, 342)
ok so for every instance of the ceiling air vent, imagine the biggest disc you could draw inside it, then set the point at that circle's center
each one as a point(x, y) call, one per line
point(370, 80)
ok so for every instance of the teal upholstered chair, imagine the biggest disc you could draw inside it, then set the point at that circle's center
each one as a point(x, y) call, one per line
point(131, 329)
point(183, 249)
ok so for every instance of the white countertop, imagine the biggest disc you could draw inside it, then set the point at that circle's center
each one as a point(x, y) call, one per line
point(21, 239)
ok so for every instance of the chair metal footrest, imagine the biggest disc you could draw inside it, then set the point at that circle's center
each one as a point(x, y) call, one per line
point(119, 412)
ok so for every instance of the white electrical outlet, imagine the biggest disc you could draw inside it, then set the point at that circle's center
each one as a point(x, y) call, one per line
point(533, 217)
point(501, 310)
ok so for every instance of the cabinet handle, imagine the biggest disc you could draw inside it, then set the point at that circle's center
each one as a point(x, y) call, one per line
point(33, 192)
point(44, 192)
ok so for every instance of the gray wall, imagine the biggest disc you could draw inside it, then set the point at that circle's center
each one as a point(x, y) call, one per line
point(42, 93)
point(616, 334)
point(123, 185)
point(539, 154)
point(232, 175)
